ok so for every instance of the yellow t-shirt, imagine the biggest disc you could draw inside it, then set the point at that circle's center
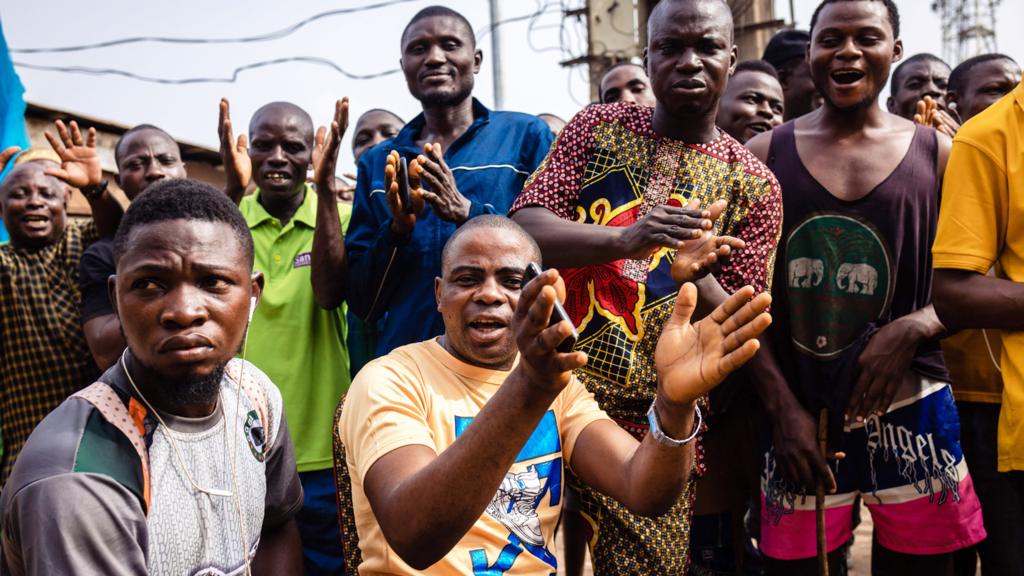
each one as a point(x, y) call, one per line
point(981, 223)
point(421, 394)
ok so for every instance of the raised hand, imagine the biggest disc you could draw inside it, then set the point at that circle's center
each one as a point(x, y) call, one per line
point(444, 197)
point(6, 156)
point(543, 365)
point(347, 190)
point(691, 359)
point(79, 163)
point(402, 222)
point(929, 113)
point(663, 227)
point(325, 149)
point(705, 254)
point(234, 154)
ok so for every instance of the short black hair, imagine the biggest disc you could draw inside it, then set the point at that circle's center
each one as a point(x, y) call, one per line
point(182, 199)
point(958, 77)
point(133, 130)
point(290, 108)
point(894, 82)
point(890, 7)
point(491, 222)
point(431, 11)
point(761, 66)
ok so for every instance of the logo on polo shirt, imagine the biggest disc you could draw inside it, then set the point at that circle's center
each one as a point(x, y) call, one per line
point(304, 259)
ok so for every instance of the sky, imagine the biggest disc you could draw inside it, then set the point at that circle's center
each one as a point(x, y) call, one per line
point(362, 42)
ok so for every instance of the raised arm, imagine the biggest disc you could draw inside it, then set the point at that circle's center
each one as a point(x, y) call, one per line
point(330, 263)
point(80, 167)
point(691, 359)
point(567, 244)
point(425, 503)
point(235, 154)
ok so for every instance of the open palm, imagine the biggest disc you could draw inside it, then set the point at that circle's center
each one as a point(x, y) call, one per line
point(692, 359)
point(79, 163)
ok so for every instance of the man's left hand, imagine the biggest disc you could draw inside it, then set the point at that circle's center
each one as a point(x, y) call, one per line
point(883, 364)
point(691, 359)
point(444, 196)
point(79, 163)
point(325, 149)
point(705, 254)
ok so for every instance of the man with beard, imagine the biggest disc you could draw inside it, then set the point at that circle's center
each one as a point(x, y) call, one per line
point(626, 82)
point(43, 353)
point(457, 446)
point(786, 51)
point(473, 161)
point(298, 331)
point(857, 337)
point(916, 77)
point(625, 192)
point(753, 101)
point(144, 155)
point(178, 460)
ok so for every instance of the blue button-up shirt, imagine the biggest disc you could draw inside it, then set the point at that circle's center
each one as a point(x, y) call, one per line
point(391, 276)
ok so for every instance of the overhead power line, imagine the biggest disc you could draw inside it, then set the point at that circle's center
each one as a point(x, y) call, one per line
point(211, 79)
point(241, 39)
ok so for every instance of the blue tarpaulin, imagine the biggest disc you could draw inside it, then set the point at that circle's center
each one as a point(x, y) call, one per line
point(12, 108)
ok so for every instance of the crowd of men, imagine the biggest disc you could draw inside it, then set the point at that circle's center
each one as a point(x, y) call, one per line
point(741, 260)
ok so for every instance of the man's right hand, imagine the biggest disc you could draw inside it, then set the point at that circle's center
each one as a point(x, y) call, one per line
point(6, 156)
point(664, 227)
point(234, 154)
point(930, 113)
point(543, 365)
point(794, 436)
point(402, 222)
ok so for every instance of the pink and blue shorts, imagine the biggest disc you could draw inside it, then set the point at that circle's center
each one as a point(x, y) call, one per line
point(907, 466)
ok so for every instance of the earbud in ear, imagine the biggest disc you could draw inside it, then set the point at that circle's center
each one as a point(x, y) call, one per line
point(252, 307)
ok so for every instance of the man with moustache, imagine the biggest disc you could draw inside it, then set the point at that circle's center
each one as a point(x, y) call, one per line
point(43, 353)
point(457, 446)
point(624, 192)
point(144, 155)
point(916, 77)
point(753, 101)
point(178, 460)
point(298, 331)
point(473, 161)
point(857, 335)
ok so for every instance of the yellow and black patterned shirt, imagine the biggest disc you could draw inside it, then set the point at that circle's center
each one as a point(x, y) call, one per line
point(43, 353)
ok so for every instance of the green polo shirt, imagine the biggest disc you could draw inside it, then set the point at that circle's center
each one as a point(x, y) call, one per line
point(297, 343)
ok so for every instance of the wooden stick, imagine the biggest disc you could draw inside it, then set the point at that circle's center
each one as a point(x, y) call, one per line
point(819, 495)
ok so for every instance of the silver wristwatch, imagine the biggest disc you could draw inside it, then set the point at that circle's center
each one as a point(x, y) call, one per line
point(666, 440)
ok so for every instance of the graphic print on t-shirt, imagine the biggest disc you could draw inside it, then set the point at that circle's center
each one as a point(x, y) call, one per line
point(838, 279)
point(521, 492)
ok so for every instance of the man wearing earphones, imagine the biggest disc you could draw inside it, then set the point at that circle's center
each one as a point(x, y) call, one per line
point(178, 460)
point(297, 335)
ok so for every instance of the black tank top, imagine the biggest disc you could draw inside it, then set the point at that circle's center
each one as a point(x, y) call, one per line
point(845, 268)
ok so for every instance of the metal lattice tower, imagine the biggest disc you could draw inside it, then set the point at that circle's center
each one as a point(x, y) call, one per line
point(968, 28)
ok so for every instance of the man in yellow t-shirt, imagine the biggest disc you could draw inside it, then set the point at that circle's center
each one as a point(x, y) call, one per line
point(457, 446)
point(981, 225)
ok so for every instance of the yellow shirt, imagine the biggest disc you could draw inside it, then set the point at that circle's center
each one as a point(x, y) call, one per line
point(981, 223)
point(421, 394)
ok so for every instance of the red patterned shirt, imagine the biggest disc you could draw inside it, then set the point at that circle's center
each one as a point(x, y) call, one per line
point(609, 168)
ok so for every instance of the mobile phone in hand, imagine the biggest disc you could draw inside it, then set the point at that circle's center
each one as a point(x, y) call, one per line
point(403, 185)
point(557, 313)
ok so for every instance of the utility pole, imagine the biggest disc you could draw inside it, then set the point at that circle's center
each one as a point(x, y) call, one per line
point(499, 89)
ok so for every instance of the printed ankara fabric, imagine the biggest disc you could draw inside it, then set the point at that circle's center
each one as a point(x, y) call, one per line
point(608, 168)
